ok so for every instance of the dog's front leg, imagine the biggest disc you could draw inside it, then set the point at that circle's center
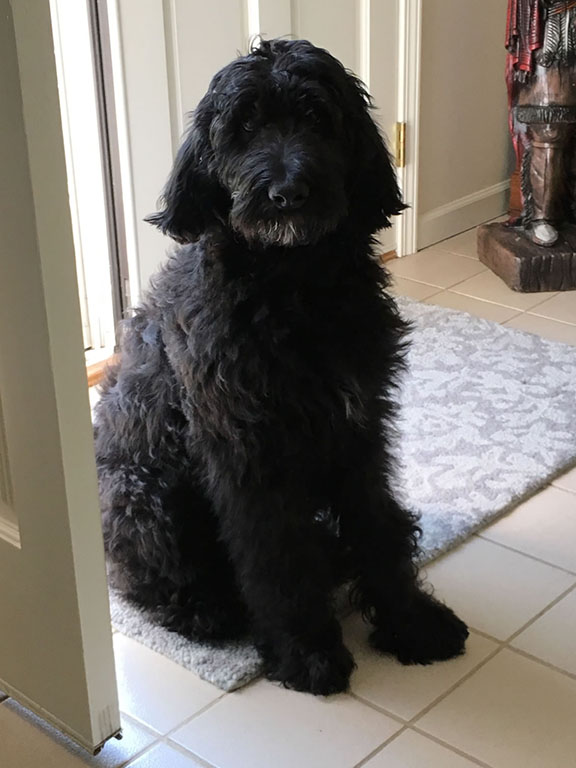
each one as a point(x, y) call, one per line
point(286, 581)
point(409, 622)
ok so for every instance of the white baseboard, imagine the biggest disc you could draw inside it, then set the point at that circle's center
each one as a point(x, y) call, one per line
point(464, 213)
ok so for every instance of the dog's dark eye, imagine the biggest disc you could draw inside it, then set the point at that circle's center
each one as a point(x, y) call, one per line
point(248, 125)
point(318, 121)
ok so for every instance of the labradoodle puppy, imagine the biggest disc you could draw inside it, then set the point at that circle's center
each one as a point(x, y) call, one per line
point(256, 385)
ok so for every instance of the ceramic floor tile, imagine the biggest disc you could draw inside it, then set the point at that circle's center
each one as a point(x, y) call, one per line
point(493, 589)
point(265, 725)
point(436, 267)
point(490, 287)
point(412, 750)
point(561, 307)
point(28, 742)
point(567, 481)
point(464, 244)
point(486, 309)
point(401, 286)
point(155, 690)
point(164, 756)
point(511, 713)
point(544, 527)
point(543, 326)
point(406, 690)
point(553, 636)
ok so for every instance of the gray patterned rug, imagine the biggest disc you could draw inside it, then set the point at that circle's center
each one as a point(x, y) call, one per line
point(488, 417)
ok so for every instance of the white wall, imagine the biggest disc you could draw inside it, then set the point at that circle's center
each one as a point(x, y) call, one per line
point(465, 154)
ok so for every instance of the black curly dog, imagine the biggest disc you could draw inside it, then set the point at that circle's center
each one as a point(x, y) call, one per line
point(256, 385)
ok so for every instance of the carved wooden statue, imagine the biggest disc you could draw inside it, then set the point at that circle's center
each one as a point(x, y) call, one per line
point(537, 250)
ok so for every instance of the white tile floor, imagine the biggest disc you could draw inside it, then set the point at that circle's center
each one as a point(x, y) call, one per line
point(509, 703)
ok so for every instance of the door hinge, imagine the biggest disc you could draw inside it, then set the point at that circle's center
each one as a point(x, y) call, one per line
point(400, 145)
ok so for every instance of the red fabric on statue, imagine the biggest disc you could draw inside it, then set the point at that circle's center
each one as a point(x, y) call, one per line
point(523, 34)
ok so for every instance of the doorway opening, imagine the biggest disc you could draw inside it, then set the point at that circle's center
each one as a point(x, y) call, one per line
point(89, 118)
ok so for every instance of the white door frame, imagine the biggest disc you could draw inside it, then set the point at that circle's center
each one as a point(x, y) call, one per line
point(409, 54)
point(56, 654)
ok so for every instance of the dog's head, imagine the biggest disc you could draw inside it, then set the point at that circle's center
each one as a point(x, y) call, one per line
point(282, 148)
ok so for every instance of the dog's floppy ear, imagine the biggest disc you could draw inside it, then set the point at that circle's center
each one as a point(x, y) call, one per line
point(375, 193)
point(192, 196)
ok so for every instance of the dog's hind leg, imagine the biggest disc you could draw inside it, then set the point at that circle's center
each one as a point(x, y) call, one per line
point(163, 552)
point(409, 622)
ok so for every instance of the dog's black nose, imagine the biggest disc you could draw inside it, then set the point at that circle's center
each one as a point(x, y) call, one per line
point(289, 195)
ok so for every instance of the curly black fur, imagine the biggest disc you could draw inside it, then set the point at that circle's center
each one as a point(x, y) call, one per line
point(256, 384)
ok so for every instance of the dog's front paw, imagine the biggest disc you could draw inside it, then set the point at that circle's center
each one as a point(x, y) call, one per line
point(427, 631)
point(321, 672)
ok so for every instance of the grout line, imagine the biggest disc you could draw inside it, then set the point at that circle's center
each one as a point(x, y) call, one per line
point(457, 684)
point(173, 746)
point(139, 724)
point(506, 642)
point(180, 723)
point(380, 748)
point(562, 488)
point(483, 298)
point(491, 301)
point(408, 723)
point(517, 311)
point(438, 247)
point(379, 708)
point(539, 615)
point(421, 282)
point(133, 759)
point(514, 317)
point(542, 662)
point(187, 753)
point(187, 720)
point(548, 298)
point(486, 635)
point(208, 706)
point(472, 258)
point(525, 554)
point(139, 754)
point(449, 746)
point(554, 319)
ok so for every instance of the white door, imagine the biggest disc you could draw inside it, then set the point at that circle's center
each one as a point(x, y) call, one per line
point(364, 36)
point(168, 53)
point(55, 637)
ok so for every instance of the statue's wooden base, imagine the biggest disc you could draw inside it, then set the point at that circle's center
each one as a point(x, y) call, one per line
point(525, 266)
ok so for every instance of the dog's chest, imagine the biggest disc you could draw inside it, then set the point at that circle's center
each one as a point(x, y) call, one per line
point(310, 351)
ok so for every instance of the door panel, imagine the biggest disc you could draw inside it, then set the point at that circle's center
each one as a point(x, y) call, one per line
point(364, 36)
point(55, 641)
point(223, 35)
